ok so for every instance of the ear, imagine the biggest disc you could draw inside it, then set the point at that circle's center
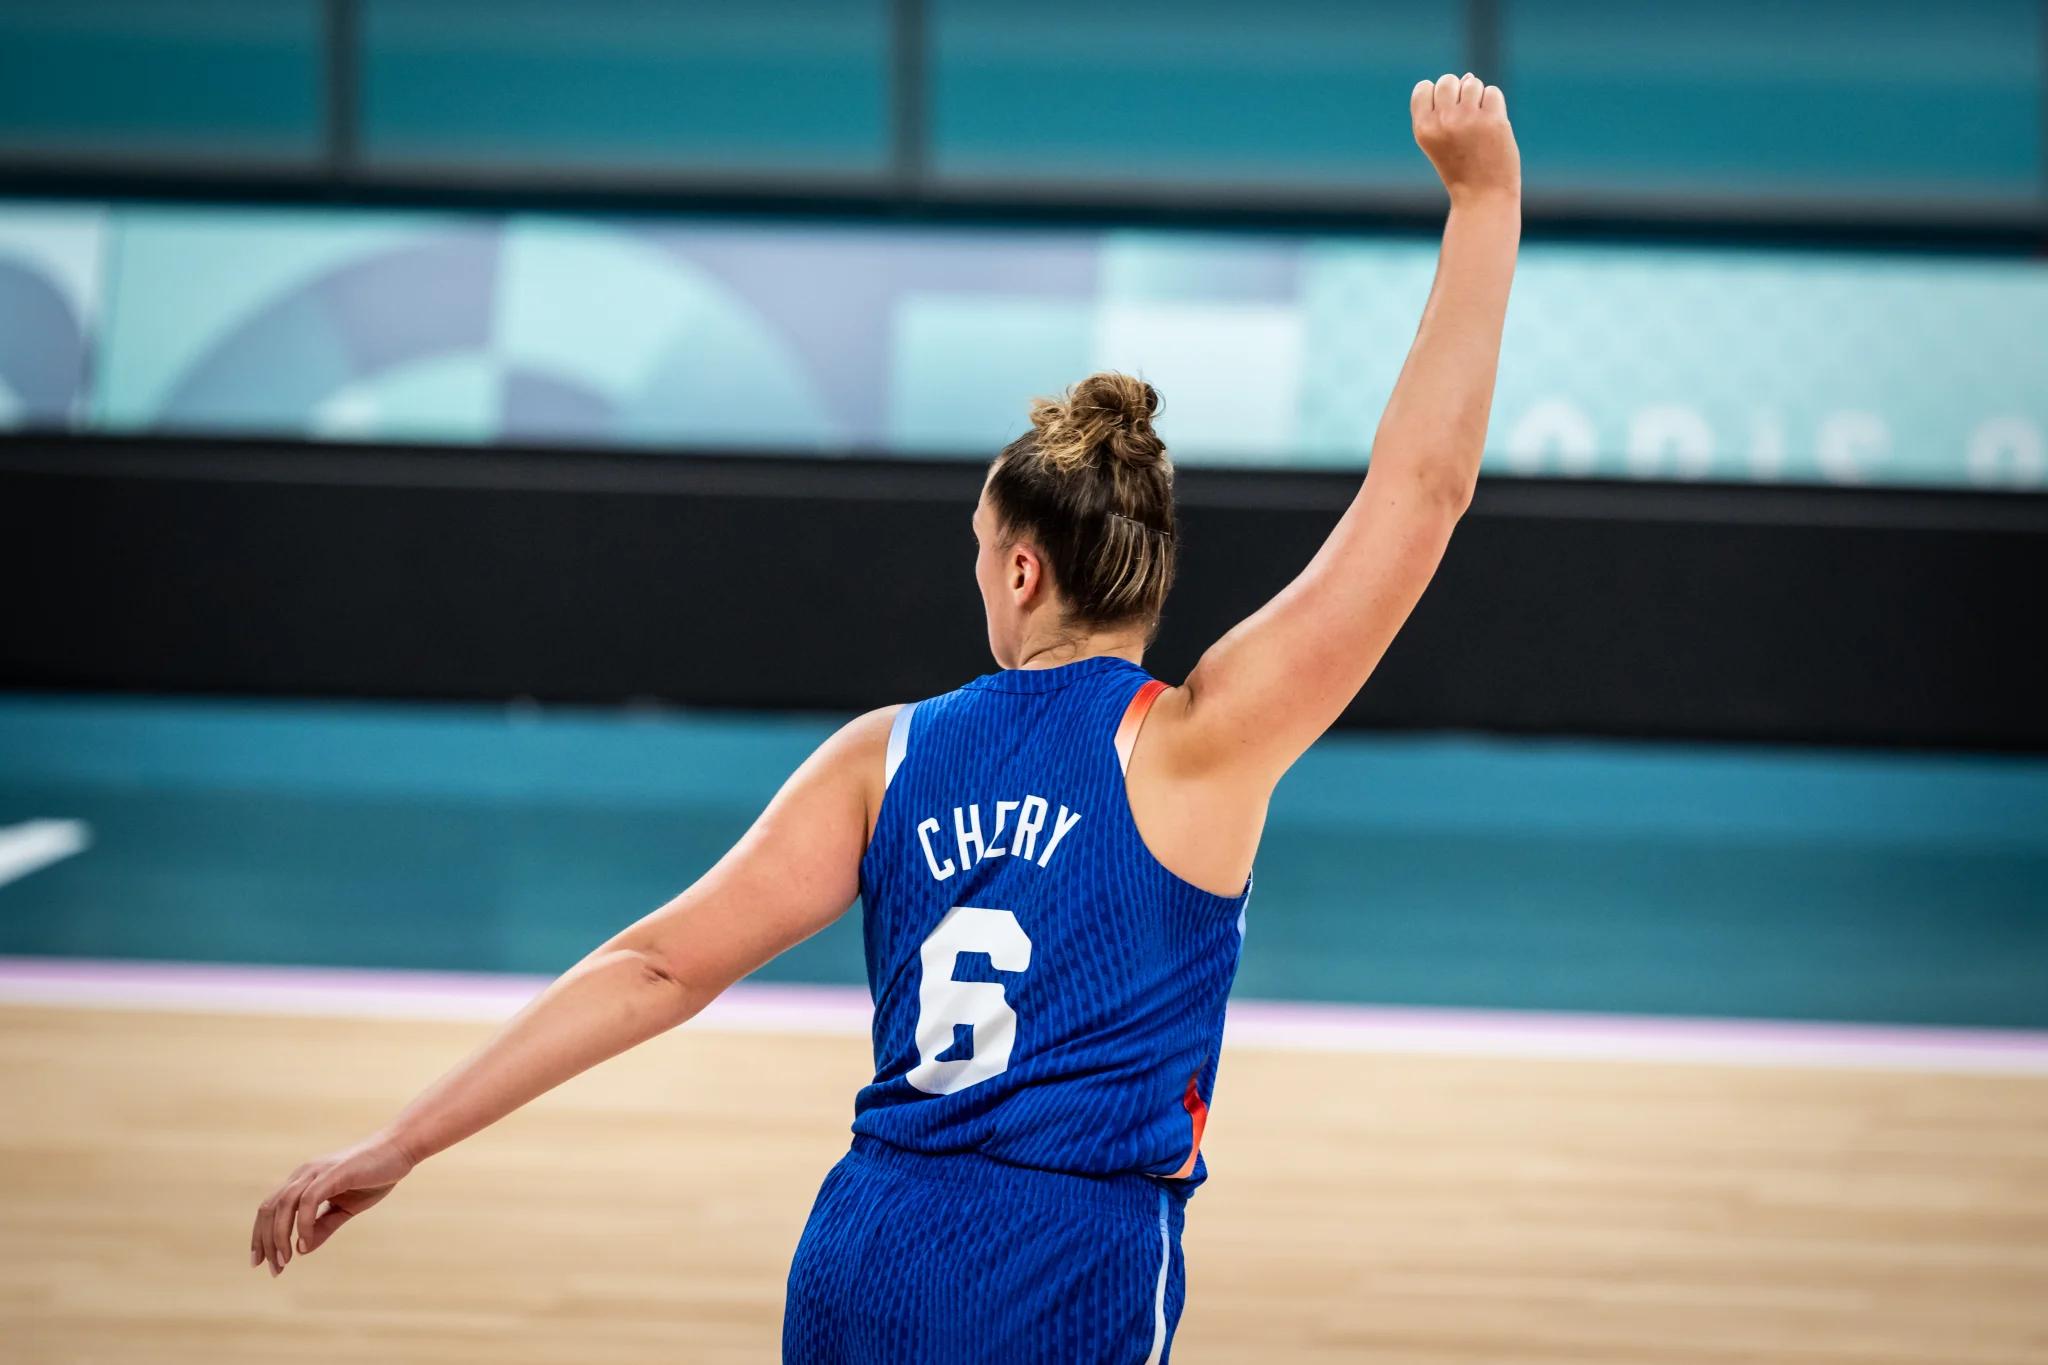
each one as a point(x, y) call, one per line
point(1026, 573)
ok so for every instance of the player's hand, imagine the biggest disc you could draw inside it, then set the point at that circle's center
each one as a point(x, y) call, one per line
point(346, 1182)
point(1461, 124)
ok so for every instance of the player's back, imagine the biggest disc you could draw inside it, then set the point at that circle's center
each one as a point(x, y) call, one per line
point(1047, 994)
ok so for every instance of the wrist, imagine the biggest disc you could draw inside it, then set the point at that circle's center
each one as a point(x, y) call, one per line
point(1496, 198)
point(408, 1145)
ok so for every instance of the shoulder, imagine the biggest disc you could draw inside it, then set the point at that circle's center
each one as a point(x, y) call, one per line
point(872, 727)
point(851, 753)
point(856, 758)
point(864, 738)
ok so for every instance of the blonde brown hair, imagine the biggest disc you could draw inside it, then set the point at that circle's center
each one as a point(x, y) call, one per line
point(1091, 484)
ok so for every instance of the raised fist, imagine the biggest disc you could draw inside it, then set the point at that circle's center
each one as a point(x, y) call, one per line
point(1462, 127)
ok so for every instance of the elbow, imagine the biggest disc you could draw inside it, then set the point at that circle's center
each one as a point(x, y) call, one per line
point(658, 979)
point(1438, 479)
point(655, 971)
point(1448, 492)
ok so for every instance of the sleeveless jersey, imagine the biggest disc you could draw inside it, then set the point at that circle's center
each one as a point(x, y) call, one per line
point(1047, 993)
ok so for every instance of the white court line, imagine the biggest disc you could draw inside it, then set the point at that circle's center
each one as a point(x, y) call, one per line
point(33, 846)
point(845, 1011)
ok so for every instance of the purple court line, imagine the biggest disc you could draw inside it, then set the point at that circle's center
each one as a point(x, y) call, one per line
point(772, 1007)
point(398, 993)
point(1276, 1014)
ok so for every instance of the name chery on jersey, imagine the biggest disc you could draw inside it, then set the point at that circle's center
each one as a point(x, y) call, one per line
point(1020, 839)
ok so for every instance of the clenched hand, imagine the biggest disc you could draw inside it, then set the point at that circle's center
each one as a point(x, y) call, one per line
point(1461, 124)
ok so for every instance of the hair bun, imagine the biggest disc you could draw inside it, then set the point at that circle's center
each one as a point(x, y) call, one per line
point(1104, 419)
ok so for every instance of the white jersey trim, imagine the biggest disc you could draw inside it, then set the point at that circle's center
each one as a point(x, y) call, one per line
point(1159, 1293)
point(899, 743)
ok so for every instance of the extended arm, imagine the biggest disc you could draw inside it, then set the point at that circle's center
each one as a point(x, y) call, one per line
point(792, 874)
point(1264, 692)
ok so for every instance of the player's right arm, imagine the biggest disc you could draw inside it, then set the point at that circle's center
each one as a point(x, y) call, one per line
point(793, 873)
point(1264, 692)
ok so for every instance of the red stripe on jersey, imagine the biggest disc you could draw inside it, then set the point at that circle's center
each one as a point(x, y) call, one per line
point(1134, 716)
point(1198, 1118)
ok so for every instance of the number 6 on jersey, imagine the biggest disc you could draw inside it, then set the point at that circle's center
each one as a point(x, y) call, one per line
point(944, 1004)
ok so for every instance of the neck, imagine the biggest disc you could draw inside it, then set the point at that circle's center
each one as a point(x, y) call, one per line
point(1065, 649)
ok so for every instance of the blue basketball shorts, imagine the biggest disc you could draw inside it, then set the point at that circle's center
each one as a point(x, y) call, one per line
point(911, 1259)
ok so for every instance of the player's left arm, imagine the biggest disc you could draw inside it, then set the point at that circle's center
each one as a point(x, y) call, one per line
point(1261, 695)
point(792, 874)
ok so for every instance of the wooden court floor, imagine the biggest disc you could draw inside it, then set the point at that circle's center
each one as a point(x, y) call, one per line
point(1390, 1208)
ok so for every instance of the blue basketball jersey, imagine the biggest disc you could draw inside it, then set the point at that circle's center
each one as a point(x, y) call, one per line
point(1047, 994)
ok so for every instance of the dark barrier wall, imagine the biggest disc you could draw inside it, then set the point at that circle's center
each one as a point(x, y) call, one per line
point(1656, 610)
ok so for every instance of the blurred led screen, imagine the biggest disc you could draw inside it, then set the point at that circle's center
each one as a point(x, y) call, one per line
point(1648, 362)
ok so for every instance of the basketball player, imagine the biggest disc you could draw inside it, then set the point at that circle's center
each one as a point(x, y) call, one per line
point(1053, 860)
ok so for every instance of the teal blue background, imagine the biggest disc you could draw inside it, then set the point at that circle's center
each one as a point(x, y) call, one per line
point(1818, 98)
point(1898, 101)
point(1732, 881)
point(1309, 92)
point(1579, 876)
point(221, 79)
point(713, 84)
